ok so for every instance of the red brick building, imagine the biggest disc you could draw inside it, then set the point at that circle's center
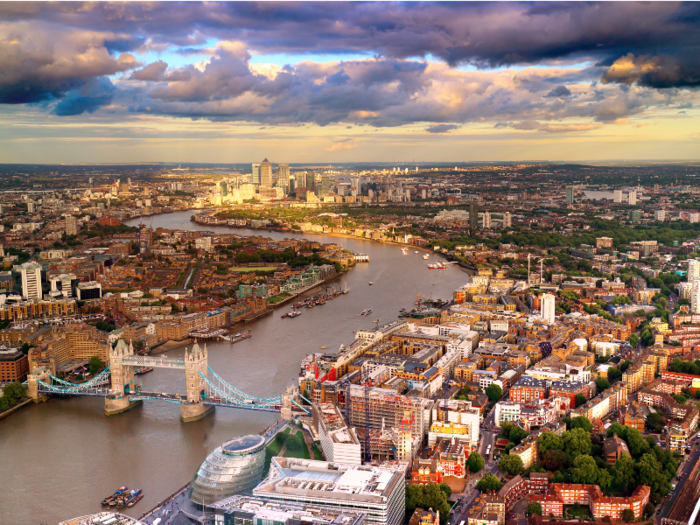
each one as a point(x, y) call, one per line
point(560, 494)
point(528, 389)
point(14, 365)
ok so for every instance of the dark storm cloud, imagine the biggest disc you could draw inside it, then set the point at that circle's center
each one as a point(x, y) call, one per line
point(92, 96)
point(442, 128)
point(487, 34)
point(41, 62)
point(57, 51)
point(559, 91)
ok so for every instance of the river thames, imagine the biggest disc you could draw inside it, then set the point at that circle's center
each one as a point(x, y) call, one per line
point(61, 458)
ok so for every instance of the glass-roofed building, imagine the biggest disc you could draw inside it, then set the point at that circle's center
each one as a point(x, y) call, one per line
point(233, 468)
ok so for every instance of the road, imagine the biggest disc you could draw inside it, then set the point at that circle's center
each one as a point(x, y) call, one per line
point(470, 494)
point(684, 472)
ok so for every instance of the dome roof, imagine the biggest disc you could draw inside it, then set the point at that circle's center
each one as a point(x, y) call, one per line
point(233, 468)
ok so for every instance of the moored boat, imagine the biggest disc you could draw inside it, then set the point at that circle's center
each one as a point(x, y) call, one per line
point(366, 312)
point(143, 370)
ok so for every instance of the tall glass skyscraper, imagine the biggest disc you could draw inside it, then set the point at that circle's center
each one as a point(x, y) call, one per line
point(283, 177)
point(256, 174)
point(266, 174)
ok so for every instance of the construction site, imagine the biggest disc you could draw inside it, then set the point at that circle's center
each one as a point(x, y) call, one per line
point(386, 420)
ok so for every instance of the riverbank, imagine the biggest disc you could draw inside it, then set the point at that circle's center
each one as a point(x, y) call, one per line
point(15, 408)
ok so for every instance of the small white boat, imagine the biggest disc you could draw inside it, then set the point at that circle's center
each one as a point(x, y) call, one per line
point(371, 283)
point(404, 251)
point(426, 256)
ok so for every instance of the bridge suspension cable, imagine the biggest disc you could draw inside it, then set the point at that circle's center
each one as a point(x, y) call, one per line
point(232, 395)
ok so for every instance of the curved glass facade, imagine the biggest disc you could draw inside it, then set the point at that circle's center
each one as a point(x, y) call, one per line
point(233, 468)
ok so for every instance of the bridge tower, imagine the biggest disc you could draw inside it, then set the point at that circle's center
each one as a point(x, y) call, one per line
point(122, 380)
point(286, 412)
point(195, 363)
point(39, 373)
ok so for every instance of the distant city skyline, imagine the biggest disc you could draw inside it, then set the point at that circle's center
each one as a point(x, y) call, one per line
point(343, 82)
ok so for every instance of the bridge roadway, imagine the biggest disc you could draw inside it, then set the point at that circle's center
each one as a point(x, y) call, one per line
point(153, 361)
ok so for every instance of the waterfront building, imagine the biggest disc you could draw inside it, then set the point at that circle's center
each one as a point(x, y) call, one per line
point(570, 192)
point(14, 365)
point(233, 468)
point(103, 518)
point(377, 491)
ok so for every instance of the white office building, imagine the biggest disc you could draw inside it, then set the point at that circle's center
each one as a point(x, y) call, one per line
point(695, 296)
point(377, 491)
point(339, 442)
point(632, 198)
point(31, 280)
point(693, 269)
point(548, 308)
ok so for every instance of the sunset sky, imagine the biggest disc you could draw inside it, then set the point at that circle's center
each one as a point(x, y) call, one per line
point(342, 82)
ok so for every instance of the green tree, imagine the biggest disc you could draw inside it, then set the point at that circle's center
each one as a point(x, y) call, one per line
point(488, 482)
point(579, 400)
point(633, 340)
point(446, 489)
point(636, 442)
point(95, 364)
point(628, 515)
point(584, 470)
point(576, 442)
point(582, 422)
point(534, 508)
point(494, 392)
point(511, 464)
point(427, 496)
point(623, 471)
point(549, 441)
point(555, 460)
point(602, 383)
point(656, 422)
point(475, 462)
point(650, 472)
point(517, 434)
point(617, 428)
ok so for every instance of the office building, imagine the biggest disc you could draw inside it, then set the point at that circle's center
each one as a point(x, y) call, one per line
point(695, 296)
point(28, 276)
point(233, 468)
point(486, 220)
point(473, 215)
point(310, 179)
point(635, 215)
point(266, 174)
point(632, 198)
point(242, 510)
point(324, 186)
point(71, 225)
point(145, 239)
point(660, 215)
point(693, 269)
point(14, 365)
point(548, 308)
point(617, 196)
point(570, 191)
point(338, 441)
point(355, 185)
point(89, 290)
point(283, 177)
point(256, 174)
point(377, 491)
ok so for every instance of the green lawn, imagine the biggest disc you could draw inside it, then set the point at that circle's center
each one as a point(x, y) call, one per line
point(253, 269)
point(277, 298)
point(317, 453)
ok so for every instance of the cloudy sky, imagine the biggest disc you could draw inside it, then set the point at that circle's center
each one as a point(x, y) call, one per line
point(339, 82)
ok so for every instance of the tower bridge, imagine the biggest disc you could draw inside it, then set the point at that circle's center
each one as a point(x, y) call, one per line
point(205, 389)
